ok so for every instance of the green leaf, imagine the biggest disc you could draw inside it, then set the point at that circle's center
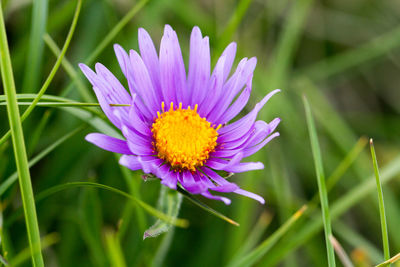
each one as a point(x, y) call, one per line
point(169, 202)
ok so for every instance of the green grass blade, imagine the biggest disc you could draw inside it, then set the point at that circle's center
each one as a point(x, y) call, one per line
point(83, 90)
point(116, 29)
point(114, 251)
point(34, 60)
point(18, 141)
point(174, 221)
point(56, 104)
point(232, 25)
point(390, 261)
point(321, 182)
point(385, 238)
point(256, 254)
point(53, 71)
point(13, 178)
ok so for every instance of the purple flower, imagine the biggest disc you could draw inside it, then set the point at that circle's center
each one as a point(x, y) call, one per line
point(176, 126)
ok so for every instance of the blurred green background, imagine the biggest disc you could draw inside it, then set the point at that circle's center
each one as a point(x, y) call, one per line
point(342, 55)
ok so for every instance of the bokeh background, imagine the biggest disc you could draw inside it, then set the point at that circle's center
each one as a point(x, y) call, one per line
point(342, 55)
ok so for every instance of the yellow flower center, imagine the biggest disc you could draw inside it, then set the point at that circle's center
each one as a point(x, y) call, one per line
point(182, 138)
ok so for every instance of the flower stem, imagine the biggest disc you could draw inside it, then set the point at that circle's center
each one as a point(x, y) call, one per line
point(19, 148)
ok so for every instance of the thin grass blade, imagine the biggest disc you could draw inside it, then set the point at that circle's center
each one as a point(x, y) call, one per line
point(385, 237)
point(390, 261)
point(21, 158)
point(321, 182)
point(34, 60)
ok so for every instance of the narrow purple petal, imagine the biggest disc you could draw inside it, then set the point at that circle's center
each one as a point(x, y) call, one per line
point(123, 60)
point(169, 179)
point(188, 182)
point(115, 90)
point(150, 59)
point(221, 164)
point(143, 82)
point(214, 90)
point(223, 184)
point(251, 150)
point(199, 67)
point(244, 167)
point(108, 143)
point(229, 53)
point(250, 195)
point(207, 194)
point(149, 163)
point(236, 107)
point(131, 162)
point(101, 93)
point(172, 69)
point(243, 73)
point(136, 145)
point(245, 123)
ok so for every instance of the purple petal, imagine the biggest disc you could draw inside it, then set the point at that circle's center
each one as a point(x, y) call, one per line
point(223, 184)
point(101, 93)
point(108, 143)
point(131, 162)
point(172, 69)
point(144, 84)
point(207, 194)
point(229, 53)
point(199, 67)
point(149, 163)
point(170, 179)
point(244, 124)
point(250, 151)
point(243, 73)
point(236, 107)
point(214, 90)
point(221, 164)
point(250, 195)
point(124, 62)
point(136, 145)
point(187, 180)
point(150, 59)
point(254, 137)
point(245, 166)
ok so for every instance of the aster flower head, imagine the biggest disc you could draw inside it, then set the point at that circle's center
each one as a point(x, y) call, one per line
point(177, 126)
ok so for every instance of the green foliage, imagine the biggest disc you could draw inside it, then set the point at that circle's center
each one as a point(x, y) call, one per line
point(343, 55)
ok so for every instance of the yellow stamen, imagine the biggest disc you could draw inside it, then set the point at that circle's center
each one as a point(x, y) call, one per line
point(182, 138)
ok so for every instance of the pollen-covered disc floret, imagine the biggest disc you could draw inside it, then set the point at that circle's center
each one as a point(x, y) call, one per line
point(182, 138)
